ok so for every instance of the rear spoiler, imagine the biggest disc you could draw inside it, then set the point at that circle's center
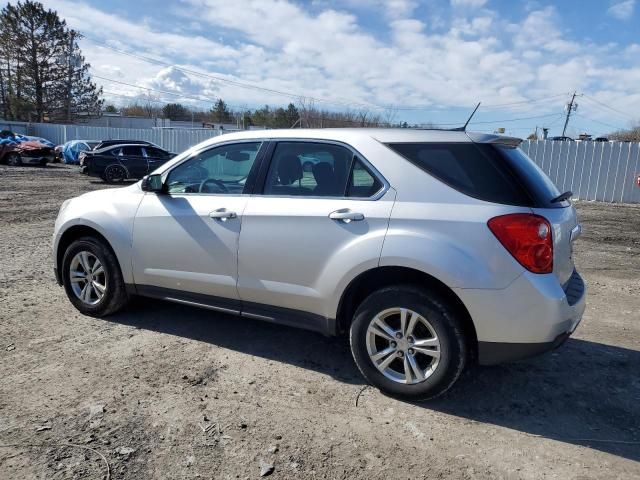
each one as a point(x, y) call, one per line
point(494, 139)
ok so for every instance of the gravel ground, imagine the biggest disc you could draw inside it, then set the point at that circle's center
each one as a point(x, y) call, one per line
point(166, 391)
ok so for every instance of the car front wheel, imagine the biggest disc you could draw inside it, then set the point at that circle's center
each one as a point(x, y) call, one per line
point(408, 343)
point(92, 278)
point(14, 159)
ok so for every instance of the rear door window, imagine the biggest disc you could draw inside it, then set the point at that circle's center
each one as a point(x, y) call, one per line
point(131, 151)
point(473, 169)
point(308, 169)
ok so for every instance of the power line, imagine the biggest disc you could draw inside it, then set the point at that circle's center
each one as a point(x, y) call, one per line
point(620, 112)
point(524, 101)
point(164, 92)
point(231, 82)
point(294, 95)
point(600, 122)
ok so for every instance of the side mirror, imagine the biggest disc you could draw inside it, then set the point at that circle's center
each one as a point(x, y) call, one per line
point(152, 183)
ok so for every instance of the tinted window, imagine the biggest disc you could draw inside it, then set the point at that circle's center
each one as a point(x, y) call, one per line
point(362, 183)
point(474, 169)
point(539, 185)
point(222, 169)
point(155, 152)
point(131, 151)
point(309, 169)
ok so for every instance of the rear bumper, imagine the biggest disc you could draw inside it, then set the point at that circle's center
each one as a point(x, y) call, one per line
point(531, 316)
point(493, 353)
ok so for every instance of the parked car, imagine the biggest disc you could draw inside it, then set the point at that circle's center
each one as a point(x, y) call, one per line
point(562, 139)
point(17, 149)
point(70, 151)
point(123, 162)
point(601, 139)
point(429, 249)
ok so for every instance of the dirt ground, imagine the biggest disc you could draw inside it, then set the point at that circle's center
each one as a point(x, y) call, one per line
point(166, 391)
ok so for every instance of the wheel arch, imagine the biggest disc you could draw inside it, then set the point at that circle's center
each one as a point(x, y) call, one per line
point(384, 276)
point(72, 234)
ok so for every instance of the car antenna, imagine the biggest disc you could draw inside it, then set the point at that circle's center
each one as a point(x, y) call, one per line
point(464, 127)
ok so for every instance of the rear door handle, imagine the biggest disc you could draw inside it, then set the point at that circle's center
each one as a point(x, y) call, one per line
point(223, 214)
point(346, 215)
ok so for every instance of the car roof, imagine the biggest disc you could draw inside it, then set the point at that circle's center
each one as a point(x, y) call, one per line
point(120, 145)
point(383, 135)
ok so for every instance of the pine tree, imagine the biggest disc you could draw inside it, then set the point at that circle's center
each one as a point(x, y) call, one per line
point(220, 112)
point(43, 73)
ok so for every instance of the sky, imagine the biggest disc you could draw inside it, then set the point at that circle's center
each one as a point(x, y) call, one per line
point(422, 62)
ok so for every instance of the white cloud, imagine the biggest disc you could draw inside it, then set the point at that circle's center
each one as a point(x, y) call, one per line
point(622, 10)
point(468, 3)
point(326, 52)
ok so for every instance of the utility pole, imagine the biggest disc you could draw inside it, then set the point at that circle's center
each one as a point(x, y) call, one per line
point(571, 106)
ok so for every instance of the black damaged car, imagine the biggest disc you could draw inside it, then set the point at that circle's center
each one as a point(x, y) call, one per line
point(117, 163)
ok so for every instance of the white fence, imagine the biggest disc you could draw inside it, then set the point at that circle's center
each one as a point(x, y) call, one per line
point(603, 171)
point(172, 140)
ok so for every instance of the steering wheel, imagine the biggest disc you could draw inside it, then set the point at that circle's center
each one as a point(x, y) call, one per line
point(219, 184)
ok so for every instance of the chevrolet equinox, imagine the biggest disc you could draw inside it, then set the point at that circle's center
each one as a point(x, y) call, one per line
point(429, 249)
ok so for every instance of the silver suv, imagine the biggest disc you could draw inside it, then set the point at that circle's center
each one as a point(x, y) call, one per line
point(430, 249)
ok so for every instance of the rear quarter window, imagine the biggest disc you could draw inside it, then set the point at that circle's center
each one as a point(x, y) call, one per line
point(473, 169)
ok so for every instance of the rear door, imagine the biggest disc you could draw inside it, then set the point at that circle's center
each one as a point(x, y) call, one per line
point(305, 224)
point(132, 157)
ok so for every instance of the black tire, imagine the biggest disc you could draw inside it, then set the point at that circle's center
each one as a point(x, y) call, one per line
point(14, 159)
point(115, 296)
point(115, 174)
point(43, 162)
point(447, 327)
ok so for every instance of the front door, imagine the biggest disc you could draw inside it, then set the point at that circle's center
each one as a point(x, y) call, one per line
point(155, 157)
point(185, 240)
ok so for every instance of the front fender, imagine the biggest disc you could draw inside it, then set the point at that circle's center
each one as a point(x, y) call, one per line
point(109, 212)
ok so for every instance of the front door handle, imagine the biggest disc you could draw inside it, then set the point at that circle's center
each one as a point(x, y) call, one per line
point(346, 215)
point(223, 214)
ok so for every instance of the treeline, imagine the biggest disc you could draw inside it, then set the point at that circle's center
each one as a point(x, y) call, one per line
point(630, 135)
point(304, 115)
point(43, 75)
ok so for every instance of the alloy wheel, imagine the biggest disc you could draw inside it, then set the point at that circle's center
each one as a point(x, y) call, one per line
point(115, 173)
point(88, 278)
point(403, 345)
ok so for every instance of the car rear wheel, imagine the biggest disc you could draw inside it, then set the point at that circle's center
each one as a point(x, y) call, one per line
point(408, 343)
point(115, 174)
point(14, 159)
point(92, 278)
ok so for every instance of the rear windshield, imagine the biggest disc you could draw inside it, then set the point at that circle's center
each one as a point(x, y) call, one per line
point(494, 173)
point(541, 188)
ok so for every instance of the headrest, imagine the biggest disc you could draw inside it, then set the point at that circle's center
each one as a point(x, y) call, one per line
point(289, 169)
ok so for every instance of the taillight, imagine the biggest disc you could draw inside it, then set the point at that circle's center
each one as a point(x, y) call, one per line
point(528, 238)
